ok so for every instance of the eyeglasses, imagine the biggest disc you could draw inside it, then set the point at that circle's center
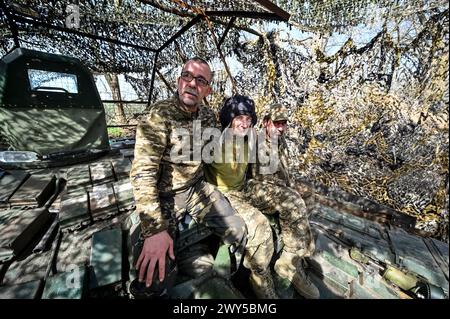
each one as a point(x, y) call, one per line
point(188, 76)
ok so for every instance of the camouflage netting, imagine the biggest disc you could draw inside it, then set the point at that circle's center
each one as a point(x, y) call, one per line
point(370, 117)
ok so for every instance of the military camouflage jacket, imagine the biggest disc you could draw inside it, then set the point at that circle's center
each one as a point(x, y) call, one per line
point(281, 175)
point(154, 170)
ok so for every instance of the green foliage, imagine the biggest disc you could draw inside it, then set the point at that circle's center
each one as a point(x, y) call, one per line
point(114, 132)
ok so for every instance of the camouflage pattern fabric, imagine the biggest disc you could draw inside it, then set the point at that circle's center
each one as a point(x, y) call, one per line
point(195, 260)
point(295, 230)
point(270, 193)
point(226, 175)
point(278, 112)
point(281, 176)
point(206, 205)
point(260, 247)
point(154, 175)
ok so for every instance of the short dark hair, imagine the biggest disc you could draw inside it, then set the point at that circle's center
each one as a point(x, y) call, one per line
point(199, 60)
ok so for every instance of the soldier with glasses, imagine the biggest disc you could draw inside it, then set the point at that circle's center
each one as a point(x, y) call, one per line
point(166, 187)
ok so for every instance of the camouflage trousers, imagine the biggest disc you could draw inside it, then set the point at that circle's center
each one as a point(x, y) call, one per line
point(295, 229)
point(260, 246)
point(207, 206)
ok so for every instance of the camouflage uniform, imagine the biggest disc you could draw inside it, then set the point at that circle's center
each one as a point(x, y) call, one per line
point(229, 176)
point(165, 189)
point(259, 248)
point(272, 193)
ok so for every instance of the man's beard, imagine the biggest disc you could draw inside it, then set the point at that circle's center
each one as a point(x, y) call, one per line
point(189, 101)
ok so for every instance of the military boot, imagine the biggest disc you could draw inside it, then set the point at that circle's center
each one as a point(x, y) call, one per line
point(262, 285)
point(289, 266)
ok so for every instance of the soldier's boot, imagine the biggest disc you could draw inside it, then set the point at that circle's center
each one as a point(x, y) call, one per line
point(262, 285)
point(288, 266)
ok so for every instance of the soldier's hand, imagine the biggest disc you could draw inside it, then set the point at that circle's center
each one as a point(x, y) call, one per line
point(154, 251)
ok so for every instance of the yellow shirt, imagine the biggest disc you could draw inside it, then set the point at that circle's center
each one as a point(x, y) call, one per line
point(230, 174)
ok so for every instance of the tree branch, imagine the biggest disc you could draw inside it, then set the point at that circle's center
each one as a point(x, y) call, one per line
point(191, 15)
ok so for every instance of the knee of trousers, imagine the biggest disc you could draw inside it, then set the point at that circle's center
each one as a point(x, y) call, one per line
point(292, 208)
point(302, 246)
point(236, 230)
point(260, 246)
point(257, 258)
point(259, 231)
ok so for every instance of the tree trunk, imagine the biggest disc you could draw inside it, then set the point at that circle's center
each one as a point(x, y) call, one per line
point(113, 82)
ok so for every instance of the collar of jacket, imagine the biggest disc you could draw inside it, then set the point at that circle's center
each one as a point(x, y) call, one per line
point(281, 140)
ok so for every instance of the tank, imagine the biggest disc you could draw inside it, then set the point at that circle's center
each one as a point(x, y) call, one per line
point(70, 230)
